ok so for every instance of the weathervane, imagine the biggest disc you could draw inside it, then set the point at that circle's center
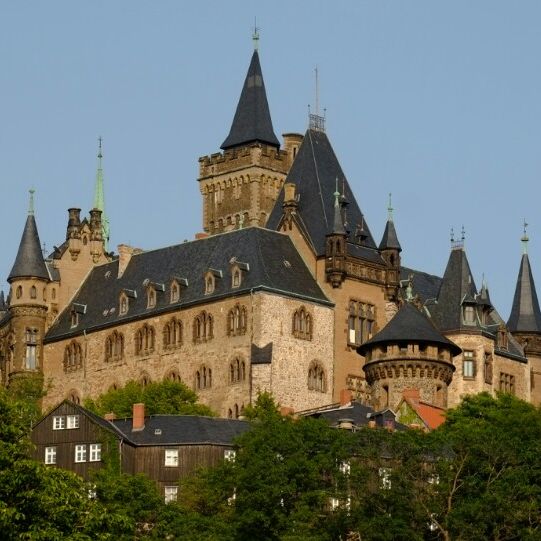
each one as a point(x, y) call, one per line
point(255, 35)
point(525, 238)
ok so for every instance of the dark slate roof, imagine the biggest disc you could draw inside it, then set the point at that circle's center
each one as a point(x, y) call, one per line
point(514, 349)
point(314, 173)
point(425, 286)
point(409, 324)
point(252, 121)
point(274, 266)
point(355, 411)
point(29, 261)
point(457, 287)
point(389, 241)
point(525, 314)
point(182, 430)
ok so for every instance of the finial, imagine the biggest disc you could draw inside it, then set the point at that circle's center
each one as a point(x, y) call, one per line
point(452, 235)
point(31, 191)
point(390, 207)
point(316, 121)
point(100, 155)
point(255, 35)
point(525, 239)
point(317, 91)
point(336, 194)
point(463, 234)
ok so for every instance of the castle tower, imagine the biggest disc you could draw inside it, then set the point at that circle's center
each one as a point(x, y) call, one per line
point(525, 320)
point(240, 185)
point(409, 353)
point(390, 249)
point(28, 305)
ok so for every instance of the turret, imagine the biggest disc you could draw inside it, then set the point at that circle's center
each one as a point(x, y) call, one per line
point(336, 251)
point(28, 307)
point(390, 251)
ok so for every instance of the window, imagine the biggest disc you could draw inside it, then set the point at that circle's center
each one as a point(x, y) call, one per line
point(73, 357)
point(19, 292)
point(144, 340)
point(361, 322)
point(385, 478)
point(317, 380)
point(203, 327)
point(151, 297)
point(31, 337)
point(302, 324)
point(72, 421)
point(59, 422)
point(175, 292)
point(171, 457)
point(507, 383)
point(123, 308)
point(50, 455)
point(80, 453)
point(236, 321)
point(33, 292)
point(95, 452)
point(468, 364)
point(172, 333)
point(488, 371)
point(469, 315)
point(209, 284)
point(236, 278)
point(114, 347)
point(171, 494)
point(230, 455)
point(53, 294)
point(203, 378)
point(345, 468)
point(237, 371)
point(74, 318)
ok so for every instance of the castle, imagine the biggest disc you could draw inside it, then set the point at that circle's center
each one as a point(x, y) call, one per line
point(285, 291)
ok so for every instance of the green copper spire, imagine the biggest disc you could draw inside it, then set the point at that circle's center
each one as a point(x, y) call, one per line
point(31, 191)
point(99, 198)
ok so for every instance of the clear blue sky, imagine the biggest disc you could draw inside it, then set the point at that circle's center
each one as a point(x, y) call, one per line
point(436, 102)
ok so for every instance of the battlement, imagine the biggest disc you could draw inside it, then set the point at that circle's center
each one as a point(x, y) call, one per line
point(256, 154)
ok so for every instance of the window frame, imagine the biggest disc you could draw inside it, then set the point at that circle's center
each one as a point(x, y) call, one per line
point(50, 455)
point(72, 422)
point(468, 359)
point(171, 457)
point(94, 454)
point(59, 422)
point(170, 494)
point(80, 454)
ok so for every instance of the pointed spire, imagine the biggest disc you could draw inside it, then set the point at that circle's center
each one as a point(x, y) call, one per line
point(525, 314)
point(29, 262)
point(389, 241)
point(99, 198)
point(338, 224)
point(252, 121)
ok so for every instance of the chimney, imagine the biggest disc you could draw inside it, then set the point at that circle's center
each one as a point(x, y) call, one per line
point(292, 143)
point(74, 221)
point(412, 394)
point(138, 420)
point(95, 224)
point(345, 397)
point(125, 254)
point(109, 416)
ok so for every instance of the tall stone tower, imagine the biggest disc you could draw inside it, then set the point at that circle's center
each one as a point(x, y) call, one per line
point(240, 185)
point(525, 320)
point(28, 278)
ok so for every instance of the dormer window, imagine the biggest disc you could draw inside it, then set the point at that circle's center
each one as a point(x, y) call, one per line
point(151, 297)
point(76, 310)
point(236, 278)
point(124, 304)
point(469, 315)
point(209, 284)
point(74, 318)
point(175, 292)
point(210, 280)
point(237, 271)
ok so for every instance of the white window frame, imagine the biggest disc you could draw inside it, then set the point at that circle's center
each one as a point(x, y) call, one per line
point(50, 455)
point(345, 468)
point(468, 360)
point(72, 421)
point(230, 455)
point(80, 453)
point(59, 422)
point(95, 452)
point(171, 458)
point(171, 494)
point(385, 478)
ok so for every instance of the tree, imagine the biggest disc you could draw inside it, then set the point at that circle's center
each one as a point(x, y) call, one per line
point(167, 397)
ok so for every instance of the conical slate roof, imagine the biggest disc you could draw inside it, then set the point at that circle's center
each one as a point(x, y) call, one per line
point(409, 325)
point(457, 287)
point(525, 314)
point(314, 173)
point(389, 241)
point(29, 261)
point(252, 121)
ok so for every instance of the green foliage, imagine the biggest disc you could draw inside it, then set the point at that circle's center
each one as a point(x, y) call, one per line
point(167, 397)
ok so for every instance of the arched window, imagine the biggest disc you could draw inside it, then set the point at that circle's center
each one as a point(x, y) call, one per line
point(172, 333)
point(203, 378)
point(19, 292)
point(114, 347)
point(173, 376)
point(73, 356)
point(302, 324)
point(151, 297)
point(209, 284)
point(203, 327)
point(317, 380)
point(237, 370)
point(123, 308)
point(236, 320)
point(236, 278)
point(33, 292)
point(53, 294)
point(175, 292)
point(144, 340)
